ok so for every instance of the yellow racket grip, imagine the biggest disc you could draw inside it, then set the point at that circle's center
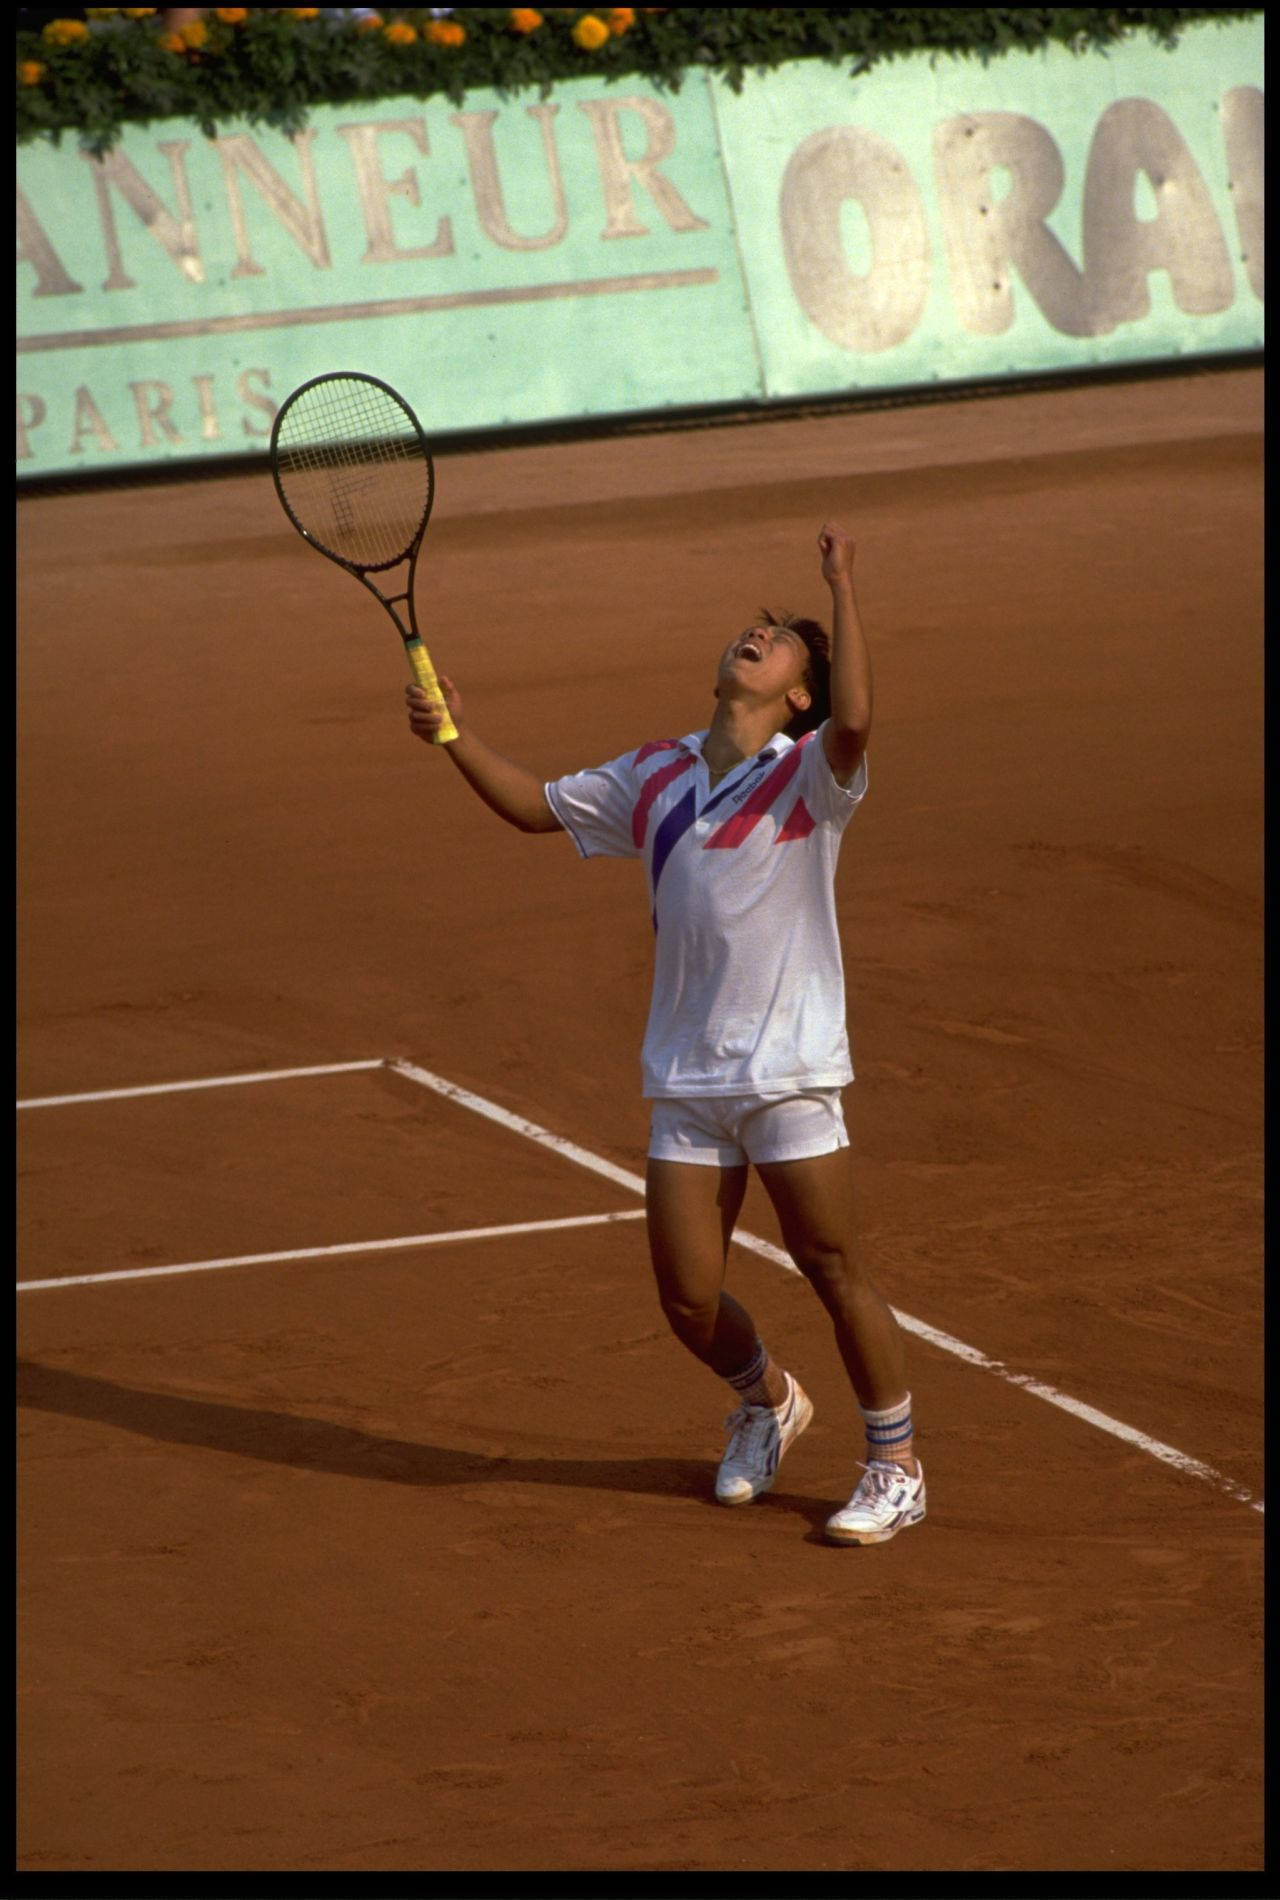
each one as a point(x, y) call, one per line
point(424, 673)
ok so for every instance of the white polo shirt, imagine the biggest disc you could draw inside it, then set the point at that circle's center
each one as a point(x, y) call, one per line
point(748, 986)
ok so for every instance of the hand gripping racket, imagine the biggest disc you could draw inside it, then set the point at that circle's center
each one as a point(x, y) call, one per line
point(353, 472)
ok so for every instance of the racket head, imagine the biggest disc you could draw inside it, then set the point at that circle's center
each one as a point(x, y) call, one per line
point(353, 470)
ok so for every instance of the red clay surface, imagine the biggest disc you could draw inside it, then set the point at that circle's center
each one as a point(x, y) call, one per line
point(406, 1560)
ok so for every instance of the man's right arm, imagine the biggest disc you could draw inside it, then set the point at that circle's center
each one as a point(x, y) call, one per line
point(514, 793)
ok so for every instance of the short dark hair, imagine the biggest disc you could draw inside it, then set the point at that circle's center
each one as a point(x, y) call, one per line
point(817, 674)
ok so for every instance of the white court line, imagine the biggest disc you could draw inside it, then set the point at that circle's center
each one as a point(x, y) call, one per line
point(1167, 1454)
point(209, 1082)
point(583, 1157)
point(322, 1253)
point(518, 1125)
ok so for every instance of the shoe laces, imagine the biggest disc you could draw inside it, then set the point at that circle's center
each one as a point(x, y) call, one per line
point(750, 1429)
point(880, 1478)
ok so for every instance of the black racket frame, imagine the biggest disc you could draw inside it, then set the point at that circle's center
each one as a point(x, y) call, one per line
point(362, 571)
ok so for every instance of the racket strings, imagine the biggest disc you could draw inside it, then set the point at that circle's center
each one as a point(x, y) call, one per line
point(354, 471)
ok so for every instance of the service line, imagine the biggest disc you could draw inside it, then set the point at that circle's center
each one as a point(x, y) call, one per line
point(206, 1082)
point(1167, 1454)
point(400, 1243)
point(622, 1177)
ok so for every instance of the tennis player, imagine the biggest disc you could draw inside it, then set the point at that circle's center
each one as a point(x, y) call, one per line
point(746, 1049)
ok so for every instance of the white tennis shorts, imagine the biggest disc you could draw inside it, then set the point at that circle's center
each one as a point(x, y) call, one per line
point(728, 1131)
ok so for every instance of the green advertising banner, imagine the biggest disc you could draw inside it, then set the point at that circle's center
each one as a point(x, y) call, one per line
point(504, 263)
point(613, 250)
point(945, 221)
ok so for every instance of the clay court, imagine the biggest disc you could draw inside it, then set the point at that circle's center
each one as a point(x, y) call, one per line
point(362, 1558)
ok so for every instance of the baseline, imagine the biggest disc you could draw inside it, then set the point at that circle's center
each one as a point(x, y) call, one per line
point(623, 1177)
point(945, 1342)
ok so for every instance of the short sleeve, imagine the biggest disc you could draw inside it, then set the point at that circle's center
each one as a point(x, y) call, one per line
point(829, 800)
point(595, 807)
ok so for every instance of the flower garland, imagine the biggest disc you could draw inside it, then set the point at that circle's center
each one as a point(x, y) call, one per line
point(270, 65)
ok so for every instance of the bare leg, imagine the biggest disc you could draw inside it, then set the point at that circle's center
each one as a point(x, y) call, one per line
point(691, 1213)
point(814, 1203)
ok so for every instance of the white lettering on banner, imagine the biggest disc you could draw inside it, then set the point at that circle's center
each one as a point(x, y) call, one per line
point(303, 217)
point(617, 171)
point(1136, 138)
point(163, 413)
point(375, 191)
point(89, 416)
point(991, 237)
point(256, 399)
point(31, 413)
point(1242, 133)
point(209, 429)
point(177, 235)
point(881, 307)
point(34, 248)
point(303, 222)
point(154, 400)
point(486, 180)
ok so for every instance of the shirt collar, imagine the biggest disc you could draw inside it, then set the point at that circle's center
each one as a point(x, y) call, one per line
point(780, 743)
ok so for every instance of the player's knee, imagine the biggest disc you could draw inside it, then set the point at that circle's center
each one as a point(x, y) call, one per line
point(829, 1269)
point(692, 1322)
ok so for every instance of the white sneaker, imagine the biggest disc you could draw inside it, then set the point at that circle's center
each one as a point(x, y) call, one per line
point(758, 1436)
point(886, 1501)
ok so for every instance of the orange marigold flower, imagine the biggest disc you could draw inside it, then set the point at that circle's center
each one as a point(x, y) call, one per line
point(232, 16)
point(525, 19)
point(590, 33)
point(400, 33)
point(173, 43)
point(446, 33)
point(369, 23)
point(65, 32)
point(30, 72)
point(621, 19)
point(137, 13)
point(193, 35)
point(303, 13)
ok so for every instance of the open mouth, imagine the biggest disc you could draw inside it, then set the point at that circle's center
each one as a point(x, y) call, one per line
point(748, 650)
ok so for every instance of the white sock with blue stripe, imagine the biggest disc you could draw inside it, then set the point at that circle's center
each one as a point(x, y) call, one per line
point(753, 1383)
point(889, 1433)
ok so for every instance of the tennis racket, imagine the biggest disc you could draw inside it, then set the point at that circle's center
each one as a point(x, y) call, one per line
point(354, 475)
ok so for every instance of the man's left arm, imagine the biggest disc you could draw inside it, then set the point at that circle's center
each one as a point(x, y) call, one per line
point(849, 727)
